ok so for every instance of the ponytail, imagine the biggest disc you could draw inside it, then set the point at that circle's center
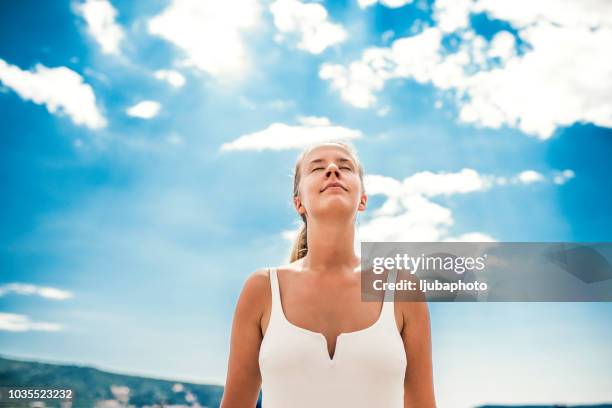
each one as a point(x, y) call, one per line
point(300, 245)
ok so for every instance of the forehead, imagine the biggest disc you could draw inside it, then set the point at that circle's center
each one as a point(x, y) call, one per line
point(327, 152)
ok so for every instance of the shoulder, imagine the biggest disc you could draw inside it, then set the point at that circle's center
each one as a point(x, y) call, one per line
point(412, 304)
point(257, 284)
point(258, 277)
point(256, 294)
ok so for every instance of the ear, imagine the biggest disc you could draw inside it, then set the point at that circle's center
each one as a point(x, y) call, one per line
point(298, 205)
point(362, 202)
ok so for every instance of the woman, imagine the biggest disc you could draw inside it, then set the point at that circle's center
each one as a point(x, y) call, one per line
point(317, 344)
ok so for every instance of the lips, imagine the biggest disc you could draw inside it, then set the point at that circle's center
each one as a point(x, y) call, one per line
point(334, 184)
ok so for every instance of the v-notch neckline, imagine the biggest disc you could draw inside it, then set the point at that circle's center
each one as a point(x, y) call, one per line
point(333, 357)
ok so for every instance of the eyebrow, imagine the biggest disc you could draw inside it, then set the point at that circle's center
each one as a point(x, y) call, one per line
point(341, 159)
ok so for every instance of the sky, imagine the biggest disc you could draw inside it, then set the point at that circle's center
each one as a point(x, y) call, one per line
point(147, 150)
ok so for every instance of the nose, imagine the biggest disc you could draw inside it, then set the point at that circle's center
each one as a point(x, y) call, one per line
point(332, 168)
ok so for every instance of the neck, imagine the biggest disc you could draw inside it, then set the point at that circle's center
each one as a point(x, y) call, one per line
point(330, 247)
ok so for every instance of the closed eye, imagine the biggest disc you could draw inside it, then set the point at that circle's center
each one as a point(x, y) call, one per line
point(321, 168)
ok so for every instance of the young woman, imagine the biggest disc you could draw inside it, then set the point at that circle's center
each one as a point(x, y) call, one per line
point(301, 331)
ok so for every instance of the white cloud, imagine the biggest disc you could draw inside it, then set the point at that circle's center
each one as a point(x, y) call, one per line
point(20, 323)
point(100, 17)
point(310, 22)
point(452, 15)
point(174, 78)
point(530, 176)
point(545, 87)
point(144, 110)
point(291, 234)
point(358, 82)
point(60, 89)
point(279, 136)
point(564, 176)
point(29, 289)
point(576, 13)
point(209, 32)
point(388, 3)
point(416, 218)
point(410, 214)
point(549, 86)
point(503, 46)
point(376, 184)
point(431, 184)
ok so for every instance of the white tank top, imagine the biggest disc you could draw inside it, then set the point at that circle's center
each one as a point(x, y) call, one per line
point(366, 371)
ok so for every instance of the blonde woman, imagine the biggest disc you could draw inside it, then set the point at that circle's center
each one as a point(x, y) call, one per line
point(301, 333)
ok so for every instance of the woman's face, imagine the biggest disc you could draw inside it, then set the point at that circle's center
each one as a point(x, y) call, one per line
point(317, 198)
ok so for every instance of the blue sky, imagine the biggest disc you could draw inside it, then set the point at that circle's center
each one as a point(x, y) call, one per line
point(147, 151)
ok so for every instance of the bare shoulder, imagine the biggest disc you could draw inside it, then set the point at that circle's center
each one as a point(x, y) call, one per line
point(412, 304)
point(257, 285)
point(255, 296)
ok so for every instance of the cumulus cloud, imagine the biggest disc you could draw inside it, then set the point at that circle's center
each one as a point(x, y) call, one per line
point(29, 289)
point(100, 18)
point(209, 33)
point(575, 13)
point(358, 81)
point(60, 89)
point(549, 86)
point(410, 213)
point(280, 136)
point(144, 110)
point(174, 78)
point(310, 22)
point(538, 90)
point(452, 15)
point(530, 176)
point(432, 184)
point(20, 323)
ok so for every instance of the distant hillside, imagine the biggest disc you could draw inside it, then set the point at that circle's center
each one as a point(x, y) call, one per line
point(96, 388)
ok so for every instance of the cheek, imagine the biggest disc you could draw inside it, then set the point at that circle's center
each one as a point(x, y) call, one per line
point(309, 190)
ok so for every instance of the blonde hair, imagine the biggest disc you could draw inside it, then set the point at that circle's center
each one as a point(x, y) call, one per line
point(300, 246)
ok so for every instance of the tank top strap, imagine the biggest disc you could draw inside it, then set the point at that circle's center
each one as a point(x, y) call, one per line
point(388, 309)
point(276, 302)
